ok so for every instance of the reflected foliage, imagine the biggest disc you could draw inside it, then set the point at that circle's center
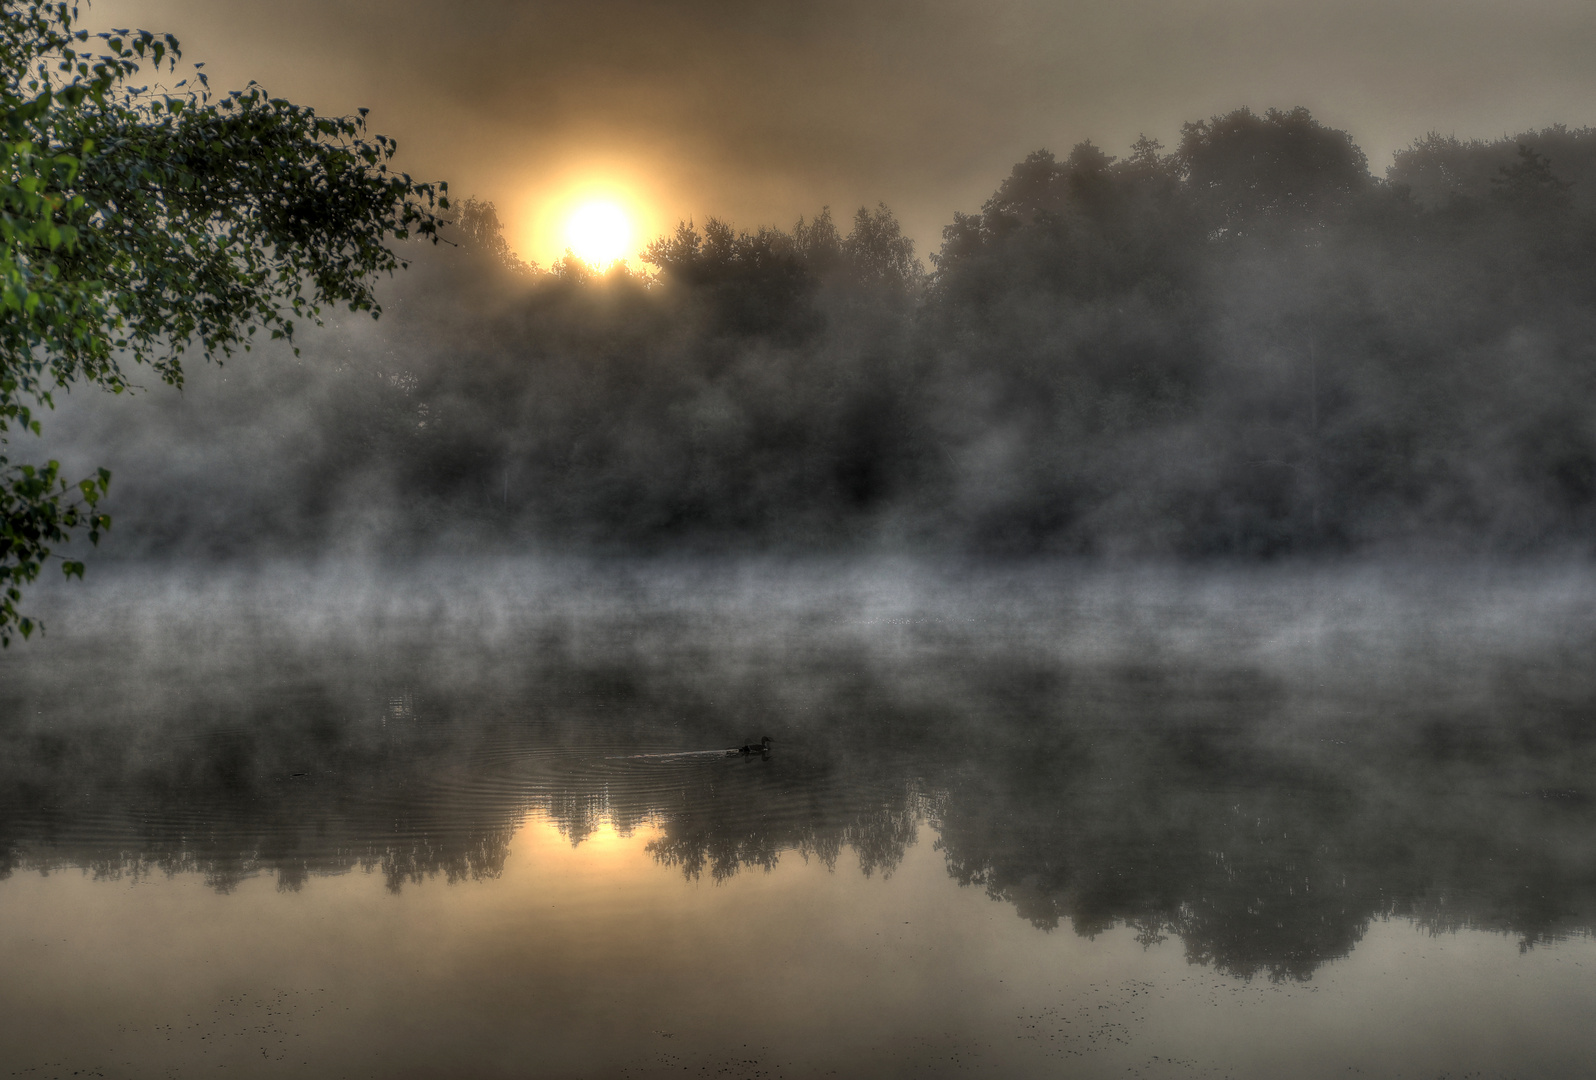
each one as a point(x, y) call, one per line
point(1198, 797)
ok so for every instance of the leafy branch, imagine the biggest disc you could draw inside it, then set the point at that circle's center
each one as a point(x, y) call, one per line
point(137, 225)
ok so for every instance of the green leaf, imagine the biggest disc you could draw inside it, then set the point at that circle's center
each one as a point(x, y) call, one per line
point(162, 235)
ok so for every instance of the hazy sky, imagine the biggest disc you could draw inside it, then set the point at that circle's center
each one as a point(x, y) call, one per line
point(759, 110)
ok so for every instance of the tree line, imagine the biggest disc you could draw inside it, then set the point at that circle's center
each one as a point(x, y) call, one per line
point(1246, 346)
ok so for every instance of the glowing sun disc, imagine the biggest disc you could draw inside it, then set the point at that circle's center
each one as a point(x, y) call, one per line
point(598, 232)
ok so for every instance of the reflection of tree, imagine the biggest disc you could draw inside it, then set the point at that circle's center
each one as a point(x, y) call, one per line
point(1130, 807)
point(720, 816)
point(236, 803)
point(469, 854)
point(234, 851)
point(1248, 889)
point(1276, 870)
point(879, 832)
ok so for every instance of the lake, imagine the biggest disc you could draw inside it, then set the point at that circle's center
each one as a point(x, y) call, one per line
point(476, 819)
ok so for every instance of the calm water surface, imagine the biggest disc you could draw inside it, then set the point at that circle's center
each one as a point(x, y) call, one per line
point(436, 821)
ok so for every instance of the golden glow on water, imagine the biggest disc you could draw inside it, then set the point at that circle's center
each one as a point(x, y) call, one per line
point(533, 892)
point(598, 959)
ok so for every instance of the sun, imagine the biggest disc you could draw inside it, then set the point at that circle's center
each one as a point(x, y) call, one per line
point(598, 232)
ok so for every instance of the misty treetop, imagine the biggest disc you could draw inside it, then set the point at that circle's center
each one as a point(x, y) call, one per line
point(1245, 345)
point(138, 222)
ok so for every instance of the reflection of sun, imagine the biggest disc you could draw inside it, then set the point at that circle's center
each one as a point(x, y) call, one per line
point(598, 232)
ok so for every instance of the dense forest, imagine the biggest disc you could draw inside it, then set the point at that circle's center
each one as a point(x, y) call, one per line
point(1246, 346)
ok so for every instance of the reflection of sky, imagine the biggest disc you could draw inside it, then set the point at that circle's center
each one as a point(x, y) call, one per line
point(592, 959)
point(1251, 772)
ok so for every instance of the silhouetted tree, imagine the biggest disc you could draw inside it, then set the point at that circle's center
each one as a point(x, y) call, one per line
point(877, 252)
point(479, 231)
point(1243, 167)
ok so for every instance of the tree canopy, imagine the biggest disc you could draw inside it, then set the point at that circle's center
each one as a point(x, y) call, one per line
point(138, 223)
point(1247, 346)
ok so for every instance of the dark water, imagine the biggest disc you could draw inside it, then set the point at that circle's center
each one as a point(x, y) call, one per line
point(443, 821)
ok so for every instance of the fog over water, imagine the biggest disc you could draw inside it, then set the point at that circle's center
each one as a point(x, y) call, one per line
point(1399, 691)
point(1262, 773)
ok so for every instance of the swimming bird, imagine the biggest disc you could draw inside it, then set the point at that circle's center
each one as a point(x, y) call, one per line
point(762, 748)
